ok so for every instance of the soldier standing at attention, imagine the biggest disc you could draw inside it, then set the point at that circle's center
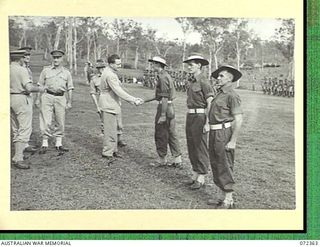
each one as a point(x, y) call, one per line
point(56, 99)
point(199, 96)
point(165, 124)
point(21, 104)
point(225, 118)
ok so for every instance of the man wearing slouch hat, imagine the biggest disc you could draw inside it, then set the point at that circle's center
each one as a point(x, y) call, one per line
point(199, 96)
point(225, 119)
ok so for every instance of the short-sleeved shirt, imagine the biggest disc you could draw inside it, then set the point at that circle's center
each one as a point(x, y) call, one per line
point(224, 106)
point(95, 84)
point(198, 91)
point(165, 87)
point(19, 78)
point(56, 80)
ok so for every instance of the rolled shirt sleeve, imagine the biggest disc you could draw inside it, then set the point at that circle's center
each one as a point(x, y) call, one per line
point(206, 89)
point(234, 103)
point(69, 81)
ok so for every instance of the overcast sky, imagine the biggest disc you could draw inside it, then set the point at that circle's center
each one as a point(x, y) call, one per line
point(169, 28)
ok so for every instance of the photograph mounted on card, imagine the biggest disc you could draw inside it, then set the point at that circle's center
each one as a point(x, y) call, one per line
point(136, 120)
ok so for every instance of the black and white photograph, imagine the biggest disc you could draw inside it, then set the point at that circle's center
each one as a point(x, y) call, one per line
point(119, 113)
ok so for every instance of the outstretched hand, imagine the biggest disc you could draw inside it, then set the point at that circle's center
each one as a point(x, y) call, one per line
point(138, 101)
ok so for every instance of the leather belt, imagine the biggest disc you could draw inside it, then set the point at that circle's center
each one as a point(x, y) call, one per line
point(199, 110)
point(22, 93)
point(55, 94)
point(220, 126)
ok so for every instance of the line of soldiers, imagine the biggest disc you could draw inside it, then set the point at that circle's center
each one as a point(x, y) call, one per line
point(213, 118)
point(278, 87)
point(180, 79)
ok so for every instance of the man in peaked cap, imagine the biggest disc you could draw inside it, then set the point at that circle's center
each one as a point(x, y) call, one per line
point(165, 124)
point(56, 99)
point(26, 64)
point(95, 87)
point(225, 119)
point(21, 104)
point(199, 96)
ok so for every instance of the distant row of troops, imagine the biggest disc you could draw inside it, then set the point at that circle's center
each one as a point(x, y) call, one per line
point(278, 87)
point(213, 118)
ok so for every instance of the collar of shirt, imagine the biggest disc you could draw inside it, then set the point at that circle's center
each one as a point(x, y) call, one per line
point(199, 77)
point(60, 68)
point(227, 88)
point(15, 63)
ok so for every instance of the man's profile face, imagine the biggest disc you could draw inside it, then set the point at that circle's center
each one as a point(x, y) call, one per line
point(116, 65)
point(26, 58)
point(155, 66)
point(193, 67)
point(224, 77)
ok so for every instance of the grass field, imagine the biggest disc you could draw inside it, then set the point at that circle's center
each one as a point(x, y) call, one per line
point(80, 179)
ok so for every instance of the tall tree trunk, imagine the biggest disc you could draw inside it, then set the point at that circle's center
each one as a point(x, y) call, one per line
point(75, 41)
point(184, 52)
point(95, 49)
point(66, 39)
point(69, 52)
point(23, 38)
point(118, 45)
point(48, 36)
point(210, 62)
point(57, 38)
point(238, 60)
point(136, 58)
point(88, 46)
point(99, 51)
point(36, 42)
point(126, 54)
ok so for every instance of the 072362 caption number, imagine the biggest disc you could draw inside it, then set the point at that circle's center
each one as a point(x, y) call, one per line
point(309, 242)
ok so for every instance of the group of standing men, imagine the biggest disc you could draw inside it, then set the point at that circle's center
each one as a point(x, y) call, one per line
point(53, 97)
point(213, 117)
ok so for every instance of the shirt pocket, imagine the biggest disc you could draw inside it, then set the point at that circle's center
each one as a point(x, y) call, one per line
point(222, 108)
point(196, 88)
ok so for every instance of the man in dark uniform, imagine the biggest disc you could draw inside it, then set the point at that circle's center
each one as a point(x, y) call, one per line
point(21, 104)
point(199, 98)
point(165, 124)
point(225, 118)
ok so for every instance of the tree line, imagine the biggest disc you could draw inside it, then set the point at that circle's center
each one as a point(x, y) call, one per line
point(223, 40)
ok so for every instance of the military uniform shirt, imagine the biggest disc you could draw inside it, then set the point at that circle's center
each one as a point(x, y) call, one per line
point(224, 106)
point(165, 87)
point(56, 80)
point(19, 78)
point(199, 90)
